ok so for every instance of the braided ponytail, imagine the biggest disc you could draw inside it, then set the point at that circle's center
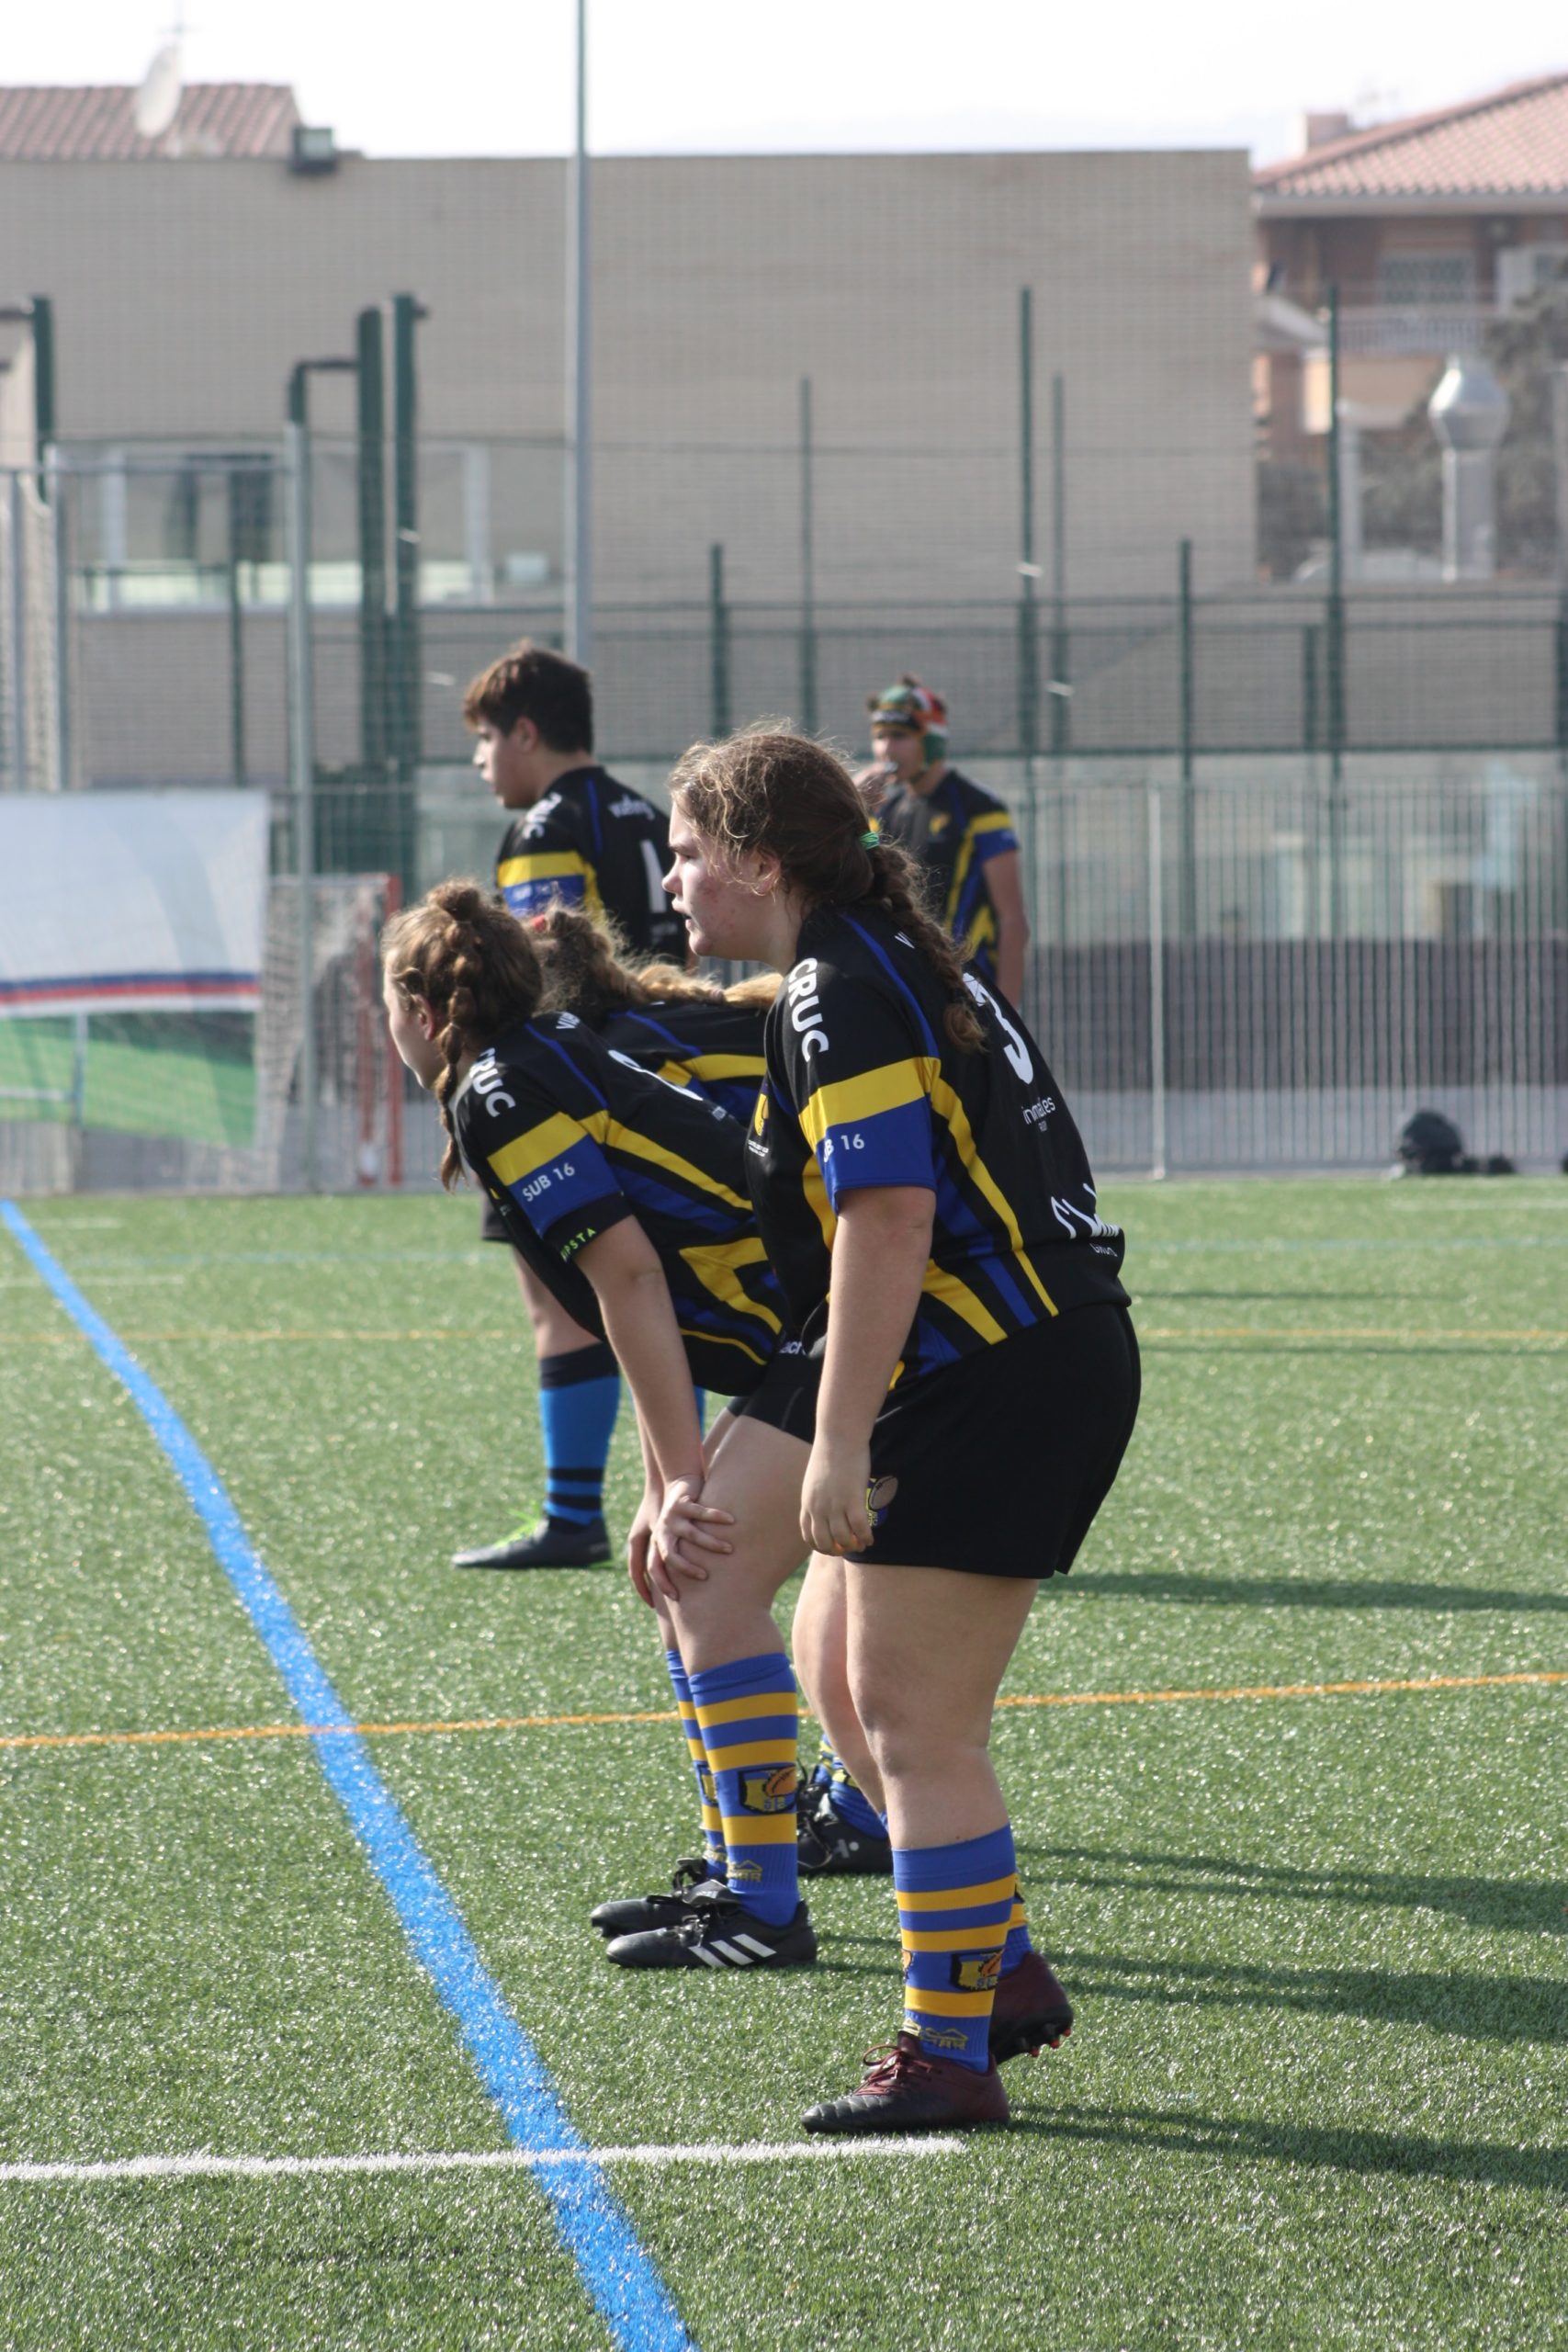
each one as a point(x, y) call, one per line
point(463, 953)
point(587, 970)
point(769, 788)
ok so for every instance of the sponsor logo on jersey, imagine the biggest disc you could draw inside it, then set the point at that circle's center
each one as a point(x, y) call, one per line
point(567, 1021)
point(805, 1010)
point(541, 814)
point(760, 1116)
point(631, 807)
point(579, 1241)
point(769, 1792)
point(1035, 1113)
point(976, 1972)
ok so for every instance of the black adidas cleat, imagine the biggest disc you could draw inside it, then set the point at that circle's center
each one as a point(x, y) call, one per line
point(1032, 2011)
point(827, 1846)
point(554, 1544)
point(715, 1930)
point(633, 1914)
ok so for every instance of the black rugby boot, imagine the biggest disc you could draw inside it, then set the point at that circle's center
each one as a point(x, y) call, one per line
point(715, 1930)
point(553, 1543)
point(631, 1915)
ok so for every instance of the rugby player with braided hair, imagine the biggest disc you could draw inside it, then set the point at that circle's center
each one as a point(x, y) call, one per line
point(925, 1199)
point(625, 1197)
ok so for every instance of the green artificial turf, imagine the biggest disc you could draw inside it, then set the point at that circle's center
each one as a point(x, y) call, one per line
point(1315, 2096)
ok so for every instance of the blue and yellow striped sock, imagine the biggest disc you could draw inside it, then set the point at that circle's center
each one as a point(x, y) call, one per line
point(713, 1828)
point(580, 1393)
point(1017, 1942)
point(953, 1906)
point(750, 1723)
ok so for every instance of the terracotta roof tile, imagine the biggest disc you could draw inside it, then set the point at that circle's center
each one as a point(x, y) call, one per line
point(1513, 143)
point(96, 125)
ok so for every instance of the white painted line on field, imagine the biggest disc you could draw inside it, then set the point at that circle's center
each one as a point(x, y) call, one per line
point(701, 2152)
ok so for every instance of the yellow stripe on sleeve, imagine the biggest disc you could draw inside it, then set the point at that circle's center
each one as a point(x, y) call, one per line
point(518, 1159)
point(546, 866)
point(888, 1088)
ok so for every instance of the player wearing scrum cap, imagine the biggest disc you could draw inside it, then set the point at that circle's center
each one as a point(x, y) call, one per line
point(959, 835)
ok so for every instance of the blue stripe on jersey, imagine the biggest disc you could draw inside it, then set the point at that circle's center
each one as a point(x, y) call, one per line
point(576, 1068)
point(899, 982)
point(645, 1192)
point(954, 1216)
point(681, 1045)
point(885, 1149)
point(535, 898)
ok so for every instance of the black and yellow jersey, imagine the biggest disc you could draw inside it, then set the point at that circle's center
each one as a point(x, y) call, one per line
point(569, 1137)
point(864, 1088)
point(714, 1046)
point(595, 843)
point(952, 832)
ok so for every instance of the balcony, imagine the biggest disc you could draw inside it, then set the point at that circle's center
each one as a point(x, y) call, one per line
point(1397, 331)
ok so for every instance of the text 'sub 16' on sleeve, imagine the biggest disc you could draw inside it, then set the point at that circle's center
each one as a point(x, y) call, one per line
point(861, 1085)
point(550, 1166)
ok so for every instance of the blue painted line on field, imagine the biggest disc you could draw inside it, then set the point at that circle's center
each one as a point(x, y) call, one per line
point(620, 2276)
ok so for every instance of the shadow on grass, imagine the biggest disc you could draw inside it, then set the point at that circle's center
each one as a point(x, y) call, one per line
point(1300, 1592)
point(1252, 2140)
point(1478, 2008)
point(1481, 1901)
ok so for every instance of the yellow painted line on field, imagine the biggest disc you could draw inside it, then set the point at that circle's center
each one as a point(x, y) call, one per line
point(1327, 1336)
point(669, 1715)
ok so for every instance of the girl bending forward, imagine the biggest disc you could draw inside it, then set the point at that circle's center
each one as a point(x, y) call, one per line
point(979, 1373)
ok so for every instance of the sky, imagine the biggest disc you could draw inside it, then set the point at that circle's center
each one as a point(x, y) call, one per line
point(493, 77)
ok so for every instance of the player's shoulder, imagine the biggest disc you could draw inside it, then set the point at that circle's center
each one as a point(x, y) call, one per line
point(621, 803)
point(973, 798)
point(855, 967)
point(557, 815)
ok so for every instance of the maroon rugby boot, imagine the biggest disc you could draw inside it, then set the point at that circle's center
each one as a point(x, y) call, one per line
point(1032, 2011)
point(910, 2089)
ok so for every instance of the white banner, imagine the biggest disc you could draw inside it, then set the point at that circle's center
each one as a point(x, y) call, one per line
point(143, 901)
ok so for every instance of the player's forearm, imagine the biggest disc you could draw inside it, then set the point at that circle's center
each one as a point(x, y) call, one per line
point(640, 1323)
point(880, 1252)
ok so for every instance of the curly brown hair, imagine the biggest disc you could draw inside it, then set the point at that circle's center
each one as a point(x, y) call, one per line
point(464, 954)
point(587, 971)
point(771, 789)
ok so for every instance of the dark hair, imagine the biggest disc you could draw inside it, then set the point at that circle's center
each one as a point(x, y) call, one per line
point(772, 790)
point(587, 971)
point(464, 954)
point(530, 682)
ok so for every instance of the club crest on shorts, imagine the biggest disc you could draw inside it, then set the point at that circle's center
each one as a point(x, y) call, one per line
point(769, 1792)
point(878, 1496)
point(976, 1972)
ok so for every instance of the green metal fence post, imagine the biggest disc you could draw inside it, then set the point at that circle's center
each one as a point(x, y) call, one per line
point(1187, 877)
point(406, 698)
point(719, 642)
point(372, 424)
point(42, 308)
point(1061, 665)
point(808, 564)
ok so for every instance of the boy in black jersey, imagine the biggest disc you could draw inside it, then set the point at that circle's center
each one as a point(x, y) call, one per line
point(958, 834)
point(577, 838)
point(925, 1201)
point(625, 1196)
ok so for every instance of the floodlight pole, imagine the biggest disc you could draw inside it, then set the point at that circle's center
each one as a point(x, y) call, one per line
point(578, 549)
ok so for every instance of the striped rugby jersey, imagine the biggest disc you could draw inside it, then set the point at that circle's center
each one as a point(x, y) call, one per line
point(715, 1047)
point(567, 1138)
point(952, 833)
point(864, 1088)
point(595, 843)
